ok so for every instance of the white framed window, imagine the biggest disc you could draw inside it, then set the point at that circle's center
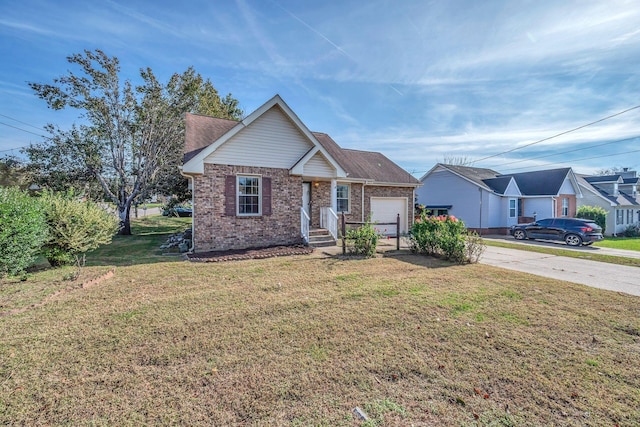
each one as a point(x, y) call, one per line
point(249, 195)
point(343, 196)
point(629, 216)
point(619, 216)
point(513, 208)
point(565, 206)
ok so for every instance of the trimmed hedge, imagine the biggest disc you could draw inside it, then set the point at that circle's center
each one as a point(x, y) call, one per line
point(23, 230)
point(445, 236)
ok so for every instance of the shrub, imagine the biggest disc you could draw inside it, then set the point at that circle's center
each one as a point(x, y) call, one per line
point(632, 231)
point(75, 227)
point(446, 237)
point(475, 247)
point(365, 239)
point(595, 213)
point(23, 230)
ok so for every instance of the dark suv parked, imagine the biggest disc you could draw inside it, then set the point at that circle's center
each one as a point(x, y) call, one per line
point(574, 231)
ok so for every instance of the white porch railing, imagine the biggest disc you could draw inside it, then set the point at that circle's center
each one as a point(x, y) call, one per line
point(329, 221)
point(304, 225)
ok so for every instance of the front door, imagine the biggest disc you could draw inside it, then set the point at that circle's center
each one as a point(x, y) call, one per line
point(306, 198)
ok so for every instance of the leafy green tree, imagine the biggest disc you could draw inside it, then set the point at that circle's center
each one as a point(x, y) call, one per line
point(132, 138)
point(23, 230)
point(75, 227)
point(595, 213)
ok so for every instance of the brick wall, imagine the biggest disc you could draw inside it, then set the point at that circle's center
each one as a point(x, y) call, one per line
point(572, 205)
point(320, 198)
point(214, 231)
point(355, 203)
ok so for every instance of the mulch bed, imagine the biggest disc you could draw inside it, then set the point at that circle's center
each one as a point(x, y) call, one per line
point(256, 253)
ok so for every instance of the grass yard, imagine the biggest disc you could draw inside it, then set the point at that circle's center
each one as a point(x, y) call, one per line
point(628, 243)
point(144, 246)
point(303, 340)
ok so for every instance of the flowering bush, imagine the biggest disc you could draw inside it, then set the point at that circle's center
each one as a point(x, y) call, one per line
point(445, 236)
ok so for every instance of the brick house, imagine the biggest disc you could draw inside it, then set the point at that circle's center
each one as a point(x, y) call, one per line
point(267, 180)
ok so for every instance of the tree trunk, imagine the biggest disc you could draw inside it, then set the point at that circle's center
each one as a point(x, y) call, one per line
point(125, 221)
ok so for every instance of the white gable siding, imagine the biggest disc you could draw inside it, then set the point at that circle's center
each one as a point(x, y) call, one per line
point(567, 187)
point(512, 189)
point(271, 141)
point(319, 167)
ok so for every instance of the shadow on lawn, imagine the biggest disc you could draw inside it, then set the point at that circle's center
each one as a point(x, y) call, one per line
point(143, 246)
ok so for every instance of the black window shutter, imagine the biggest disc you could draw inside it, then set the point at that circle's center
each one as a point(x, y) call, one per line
point(266, 195)
point(230, 195)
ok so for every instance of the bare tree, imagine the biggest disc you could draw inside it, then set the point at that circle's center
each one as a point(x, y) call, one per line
point(456, 160)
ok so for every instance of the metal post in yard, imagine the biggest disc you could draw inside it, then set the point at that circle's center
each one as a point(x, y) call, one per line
point(344, 232)
point(398, 233)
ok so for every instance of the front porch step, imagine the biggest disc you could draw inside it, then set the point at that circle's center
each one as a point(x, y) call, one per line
point(319, 237)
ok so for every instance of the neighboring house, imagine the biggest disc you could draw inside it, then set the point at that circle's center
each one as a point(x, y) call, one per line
point(267, 180)
point(617, 194)
point(490, 202)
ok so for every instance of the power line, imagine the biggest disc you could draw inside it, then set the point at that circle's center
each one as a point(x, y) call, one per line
point(565, 152)
point(584, 158)
point(557, 135)
point(24, 123)
point(23, 130)
point(414, 171)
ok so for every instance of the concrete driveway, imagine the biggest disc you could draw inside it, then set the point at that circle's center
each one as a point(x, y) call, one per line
point(591, 273)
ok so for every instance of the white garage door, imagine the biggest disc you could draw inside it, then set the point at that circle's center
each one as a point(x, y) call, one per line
point(386, 209)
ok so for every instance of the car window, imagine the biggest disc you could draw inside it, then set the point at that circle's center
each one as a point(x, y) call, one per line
point(560, 223)
point(545, 222)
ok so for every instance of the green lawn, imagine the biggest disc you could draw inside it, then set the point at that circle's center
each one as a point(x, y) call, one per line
point(144, 245)
point(628, 243)
point(303, 340)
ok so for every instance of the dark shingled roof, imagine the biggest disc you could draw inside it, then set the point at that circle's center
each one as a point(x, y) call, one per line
point(540, 183)
point(499, 185)
point(367, 165)
point(202, 131)
point(536, 183)
point(477, 175)
point(621, 199)
point(603, 178)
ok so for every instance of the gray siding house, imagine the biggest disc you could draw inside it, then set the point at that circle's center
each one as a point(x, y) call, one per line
point(490, 202)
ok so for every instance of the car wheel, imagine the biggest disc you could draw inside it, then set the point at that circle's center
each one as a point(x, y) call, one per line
point(573, 240)
point(519, 234)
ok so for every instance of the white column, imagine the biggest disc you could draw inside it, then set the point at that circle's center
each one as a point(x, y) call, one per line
point(334, 195)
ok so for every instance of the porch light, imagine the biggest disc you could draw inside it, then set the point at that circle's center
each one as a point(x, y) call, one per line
point(316, 184)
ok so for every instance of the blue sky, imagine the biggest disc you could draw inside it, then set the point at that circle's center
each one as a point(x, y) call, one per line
point(419, 81)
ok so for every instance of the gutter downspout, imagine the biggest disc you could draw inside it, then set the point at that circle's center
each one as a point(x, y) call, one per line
point(193, 234)
point(480, 227)
point(362, 202)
